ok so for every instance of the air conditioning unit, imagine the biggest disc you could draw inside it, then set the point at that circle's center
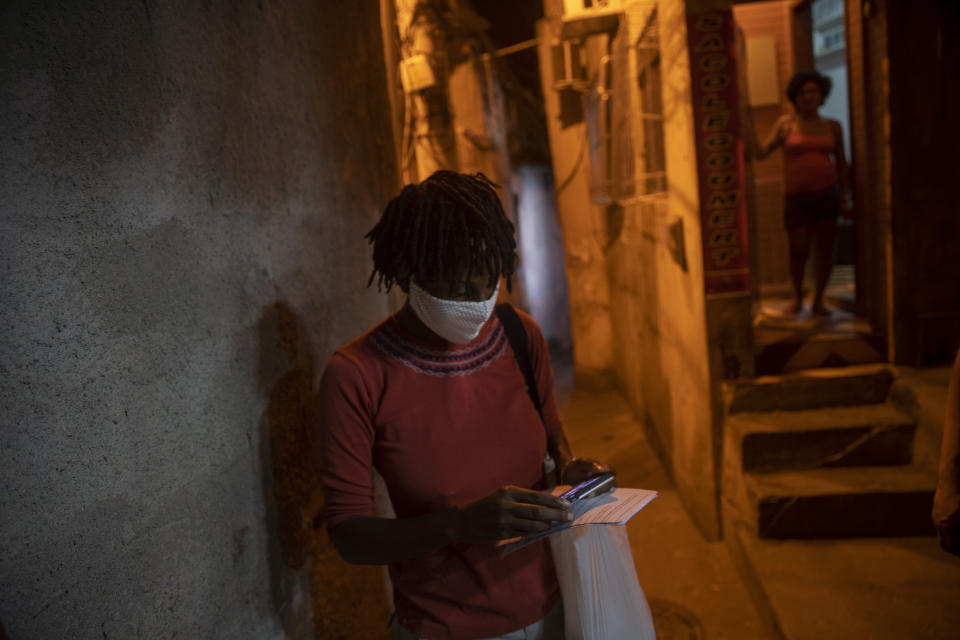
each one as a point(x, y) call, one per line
point(569, 65)
point(582, 18)
point(572, 8)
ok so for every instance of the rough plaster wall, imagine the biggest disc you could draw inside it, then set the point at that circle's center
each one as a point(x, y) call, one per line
point(584, 235)
point(476, 106)
point(685, 412)
point(636, 301)
point(170, 172)
point(657, 313)
point(634, 267)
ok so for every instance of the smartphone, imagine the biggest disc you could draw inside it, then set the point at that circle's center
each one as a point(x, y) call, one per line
point(589, 488)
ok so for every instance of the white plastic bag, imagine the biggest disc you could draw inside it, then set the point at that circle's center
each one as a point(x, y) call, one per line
point(602, 598)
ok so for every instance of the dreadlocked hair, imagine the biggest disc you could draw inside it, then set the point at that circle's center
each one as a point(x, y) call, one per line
point(438, 228)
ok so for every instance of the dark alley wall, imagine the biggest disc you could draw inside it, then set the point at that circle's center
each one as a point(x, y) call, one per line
point(903, 61)
point(185, 187)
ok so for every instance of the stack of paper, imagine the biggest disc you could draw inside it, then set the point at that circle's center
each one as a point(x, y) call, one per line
point(615, 507)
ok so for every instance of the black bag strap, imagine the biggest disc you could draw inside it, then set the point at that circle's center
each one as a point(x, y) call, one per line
point(517, 337)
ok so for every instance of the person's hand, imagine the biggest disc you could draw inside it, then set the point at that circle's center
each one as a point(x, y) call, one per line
point(507, 513)
point(578, 470)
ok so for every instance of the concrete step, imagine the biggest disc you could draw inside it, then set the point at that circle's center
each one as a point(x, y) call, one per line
point(802, 351)
point(809, 577)
point(846, 386)
point(865, 435)
point(877, 589)
point(857, 502)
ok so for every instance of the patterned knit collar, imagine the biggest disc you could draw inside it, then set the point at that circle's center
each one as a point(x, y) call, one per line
point(457, 360)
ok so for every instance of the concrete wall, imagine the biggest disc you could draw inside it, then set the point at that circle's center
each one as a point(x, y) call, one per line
point(185, 187)
point(582, 223)
point(635, 275)
point(685, 410)
point(476, 110)
point(658, 312)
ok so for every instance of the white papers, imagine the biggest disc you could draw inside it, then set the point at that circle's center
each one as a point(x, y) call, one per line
point(615, 507)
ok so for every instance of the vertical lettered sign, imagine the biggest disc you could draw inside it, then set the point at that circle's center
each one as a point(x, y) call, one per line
point(723, 209)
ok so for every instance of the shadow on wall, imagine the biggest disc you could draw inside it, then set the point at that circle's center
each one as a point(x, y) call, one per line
point(315, 594)
point(636, 262)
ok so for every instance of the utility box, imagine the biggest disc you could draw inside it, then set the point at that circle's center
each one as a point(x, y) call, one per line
point(416, 74)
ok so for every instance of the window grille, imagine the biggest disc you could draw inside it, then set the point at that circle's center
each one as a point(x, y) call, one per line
point(625, 133)
point(652, 176)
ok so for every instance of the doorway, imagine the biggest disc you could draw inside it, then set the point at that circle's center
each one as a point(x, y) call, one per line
point(829, 52)
point(783, 37)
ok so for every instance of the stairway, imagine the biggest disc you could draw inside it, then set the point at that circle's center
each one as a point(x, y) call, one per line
point(787, 342)
point(828, 481)
point(822, 454)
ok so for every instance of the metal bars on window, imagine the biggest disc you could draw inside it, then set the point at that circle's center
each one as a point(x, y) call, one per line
point(624, 114)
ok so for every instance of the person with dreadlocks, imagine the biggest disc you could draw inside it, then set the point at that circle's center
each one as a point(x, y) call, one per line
point(432, 400)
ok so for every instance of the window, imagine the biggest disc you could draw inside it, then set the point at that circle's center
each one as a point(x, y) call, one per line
point(652, 177)
point(625, 122)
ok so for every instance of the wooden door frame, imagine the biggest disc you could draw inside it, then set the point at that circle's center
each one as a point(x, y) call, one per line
point(871, 231)
point(801, 31)
point(868, 164)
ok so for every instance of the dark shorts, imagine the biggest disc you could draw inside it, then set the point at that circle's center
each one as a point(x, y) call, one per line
point(807, 209)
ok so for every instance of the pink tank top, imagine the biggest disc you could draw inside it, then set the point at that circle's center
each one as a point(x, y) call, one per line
point(807, 165)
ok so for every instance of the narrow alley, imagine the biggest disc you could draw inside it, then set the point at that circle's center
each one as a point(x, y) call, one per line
point(264, 265)
point(888, 588)
point(692, 585)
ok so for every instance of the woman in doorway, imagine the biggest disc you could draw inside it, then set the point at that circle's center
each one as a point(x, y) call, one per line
point(433, 399)
point(815, 178)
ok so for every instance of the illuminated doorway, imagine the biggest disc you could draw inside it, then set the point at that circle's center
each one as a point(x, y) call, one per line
point(783, 37)
point(830, 58)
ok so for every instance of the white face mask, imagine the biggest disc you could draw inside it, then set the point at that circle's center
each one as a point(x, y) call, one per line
point(458, 321)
